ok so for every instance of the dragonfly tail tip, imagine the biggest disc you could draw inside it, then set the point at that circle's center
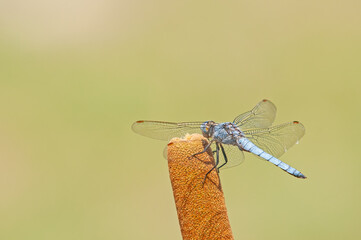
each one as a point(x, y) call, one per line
point(302, 176)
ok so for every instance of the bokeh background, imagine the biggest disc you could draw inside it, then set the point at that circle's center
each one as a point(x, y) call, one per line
point(75, 74)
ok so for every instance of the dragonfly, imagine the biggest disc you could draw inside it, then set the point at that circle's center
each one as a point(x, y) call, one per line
point(250, 132)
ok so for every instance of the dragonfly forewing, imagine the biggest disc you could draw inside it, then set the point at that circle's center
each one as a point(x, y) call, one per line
point(165, 130)
point(261, 116)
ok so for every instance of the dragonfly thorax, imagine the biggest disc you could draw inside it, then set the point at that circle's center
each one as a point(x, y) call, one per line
point(227, 133)
point(208, 128)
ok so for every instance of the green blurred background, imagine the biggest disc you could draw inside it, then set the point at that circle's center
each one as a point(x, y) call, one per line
point(74, 76)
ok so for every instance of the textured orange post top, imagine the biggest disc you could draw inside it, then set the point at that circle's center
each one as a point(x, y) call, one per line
point(201, 207)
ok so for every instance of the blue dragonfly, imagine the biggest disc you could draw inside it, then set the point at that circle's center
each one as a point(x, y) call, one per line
point(249, 132)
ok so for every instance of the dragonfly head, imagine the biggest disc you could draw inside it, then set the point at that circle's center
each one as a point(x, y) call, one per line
point(208, 128)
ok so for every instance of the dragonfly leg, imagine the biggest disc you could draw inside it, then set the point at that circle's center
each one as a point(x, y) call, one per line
point(224, 156)
point(205, 149)
point(217, 161)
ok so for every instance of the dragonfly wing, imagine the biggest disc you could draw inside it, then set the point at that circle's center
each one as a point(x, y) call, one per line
point(261, 116)
point(234, 156)
point(278, 139)
point(165, 130)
